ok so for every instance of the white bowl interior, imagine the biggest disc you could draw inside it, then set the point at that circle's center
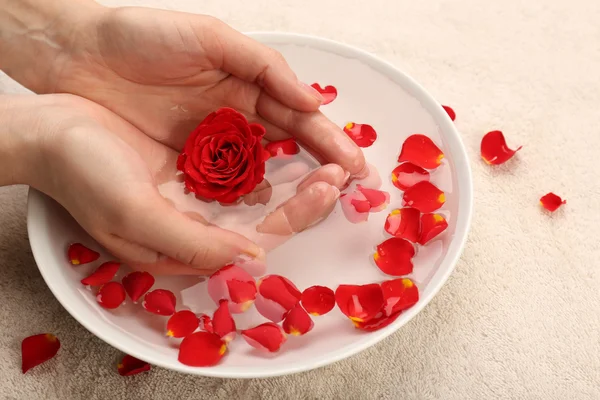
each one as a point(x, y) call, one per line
point(333, 252)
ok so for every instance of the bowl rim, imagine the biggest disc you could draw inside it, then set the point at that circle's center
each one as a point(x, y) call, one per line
point(464, 215)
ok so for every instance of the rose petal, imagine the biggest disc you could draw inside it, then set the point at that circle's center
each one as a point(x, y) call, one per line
point(421, 151)
point(318, 300)
point(267, 336)
point(130, 365)
point(111, 295)
point(431, 226)
point(276, 296)
point(284, 147)
point(404, 223)
point(103, 274)
point(494, 150)
point(329, 93)
point(351, 204)
point(552, 202)
point(234, 284)
point(201, 349)
point(394, 257)
point(378, 199)
point(160, 302)
point(37, 349)
point(223, 323)
point(425, 197)
point(362, 134)
point(359, 302)
point(450, 112)
point(205, 323)
point(79, 254)
point(407, 174)
point(137, 283)
point(297, 322)
point(398, 295)
point(376, 323)
point(182, 323)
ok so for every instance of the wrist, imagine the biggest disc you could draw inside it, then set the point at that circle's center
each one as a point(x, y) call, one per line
point(37, 37)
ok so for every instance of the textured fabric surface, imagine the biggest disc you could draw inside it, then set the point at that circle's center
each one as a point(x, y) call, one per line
point(519, 318)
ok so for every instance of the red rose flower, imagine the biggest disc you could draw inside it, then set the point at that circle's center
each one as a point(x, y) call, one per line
point(223, 158)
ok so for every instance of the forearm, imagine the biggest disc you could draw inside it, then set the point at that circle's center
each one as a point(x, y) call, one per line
point(36, 37)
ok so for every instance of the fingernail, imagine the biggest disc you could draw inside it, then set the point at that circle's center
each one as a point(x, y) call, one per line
point(336, 192)
point(257, 253)
point(346, 177)
point(363, 173)
point(312, 91)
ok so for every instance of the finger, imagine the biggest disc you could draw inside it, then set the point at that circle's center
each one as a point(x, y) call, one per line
point(317, 132)
point(330, 173)
point(252, 61)
point(301, 211)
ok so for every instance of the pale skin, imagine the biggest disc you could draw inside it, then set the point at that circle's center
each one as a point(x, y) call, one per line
point(139, 81)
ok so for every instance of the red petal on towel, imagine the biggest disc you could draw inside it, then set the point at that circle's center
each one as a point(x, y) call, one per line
point(223, 323)
point(329, 93)
point(394, 257)
point(111, 295)
point(276, 296)
point(551, 202)
point(494, 150)
point(137, 283)
point(205, 323)
point(160, 301)
point(297, 322)
point(425, 197)
point(378, 199)
point(359, 302)
point(318, 300)
point(361, 206)
point(352, 203)
point(431, 226)
point(286, 147)
point(182, 323)
point(37, 349)
point(404, 223)
point(267, 336)
point(201, 349)
point(450, 112)
point(130, 365)
point(398, 295)
point(103, 274)
point(363, 135)
point(79, 254)
point(421, 151)
point(407, 174)
point(234, 284)
point(376, 323)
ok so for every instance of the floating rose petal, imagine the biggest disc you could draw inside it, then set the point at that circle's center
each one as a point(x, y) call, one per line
point(130, 365)
point(329, 93)
point(102, 275)
point(425, 197)
point(450, 112)
point(398, 295)
point(234, 284)
point(404, 223)
point(407, 175)
point(431, 226)
point(276, 297)
point(267, 336)
point(352, 203)
point(37, 349)
point(551, 202)
point(363, 135)
point(160, 302)
point(79, 254)
point(111, 295)
point(377, 199)
point(182, 323)
point(201, 349)
point(286, 147)
point(137, 283)
point(205, 323)
point(394, 257)
point(297, 322)
point(359, 302)
point(494, 150)
point(376, 323)
point(318, 300)
point(223, 323)
point(421, 151)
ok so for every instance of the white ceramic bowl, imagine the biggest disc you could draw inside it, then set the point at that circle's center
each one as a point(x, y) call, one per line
point(370, 91)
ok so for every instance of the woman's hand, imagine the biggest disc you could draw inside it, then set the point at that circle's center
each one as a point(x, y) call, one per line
point(105, 172)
